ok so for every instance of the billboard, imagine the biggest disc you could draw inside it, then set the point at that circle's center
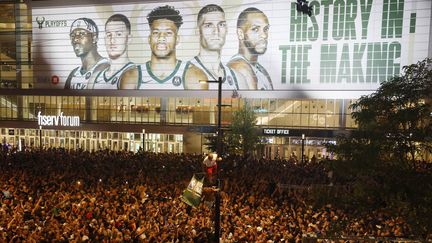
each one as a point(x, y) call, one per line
point(269, 45)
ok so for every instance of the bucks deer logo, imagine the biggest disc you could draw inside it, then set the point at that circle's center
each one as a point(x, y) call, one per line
point(40, 21)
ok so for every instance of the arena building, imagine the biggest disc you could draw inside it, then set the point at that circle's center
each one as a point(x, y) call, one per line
point(135, 74)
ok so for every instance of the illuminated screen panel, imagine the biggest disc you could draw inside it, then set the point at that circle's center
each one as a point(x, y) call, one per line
point(253, 45)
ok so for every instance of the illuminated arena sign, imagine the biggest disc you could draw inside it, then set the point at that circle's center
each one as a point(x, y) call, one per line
point(276, 131)
point(60, 120)
point(348, 46)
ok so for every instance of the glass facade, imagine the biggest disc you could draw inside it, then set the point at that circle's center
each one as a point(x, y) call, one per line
point(15, 45)
point(317, 114)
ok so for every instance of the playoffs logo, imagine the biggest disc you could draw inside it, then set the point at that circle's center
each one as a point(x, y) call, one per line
point(42, 22)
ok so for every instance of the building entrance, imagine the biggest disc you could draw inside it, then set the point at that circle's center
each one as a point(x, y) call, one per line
point(284, 147)
point(92, 140)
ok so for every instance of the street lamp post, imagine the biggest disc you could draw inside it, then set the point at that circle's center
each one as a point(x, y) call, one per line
point(40, 137)
point(219, 153)
point(143, 141)
point(302, 152)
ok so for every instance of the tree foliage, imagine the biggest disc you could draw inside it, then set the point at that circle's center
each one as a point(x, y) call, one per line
point(398, 115)
point(241, 137)
point(380, 160)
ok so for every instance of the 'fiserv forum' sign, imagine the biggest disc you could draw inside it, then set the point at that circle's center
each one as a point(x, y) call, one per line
point(60, 120)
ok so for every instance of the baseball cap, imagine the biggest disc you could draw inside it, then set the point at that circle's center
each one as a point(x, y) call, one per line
point(86, 24)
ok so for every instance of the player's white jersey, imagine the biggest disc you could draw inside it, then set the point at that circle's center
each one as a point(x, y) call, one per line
point(103, 82)
point(173, 81)
point(261, 74)
point(78, 79)
point(229, 80)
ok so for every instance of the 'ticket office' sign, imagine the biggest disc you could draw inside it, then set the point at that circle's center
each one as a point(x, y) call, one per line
point(276, 131)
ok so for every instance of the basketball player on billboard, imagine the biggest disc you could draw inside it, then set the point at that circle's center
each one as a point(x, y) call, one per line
point(212, 30)
point(252, 32)
point(117, 38)
point(164, 70)
point(84, 35)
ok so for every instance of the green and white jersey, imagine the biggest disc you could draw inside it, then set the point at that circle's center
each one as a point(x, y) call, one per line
point(79, 79)
point(263, 78)
point(173, 81)
point(103, 82)
point(229, 80)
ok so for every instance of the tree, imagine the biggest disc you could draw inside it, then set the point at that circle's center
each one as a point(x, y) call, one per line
point(212, 141)
point(398, 115)
point(380, 159)
point(243, 135)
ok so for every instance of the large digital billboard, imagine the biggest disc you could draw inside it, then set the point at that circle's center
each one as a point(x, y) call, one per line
point(349, 45)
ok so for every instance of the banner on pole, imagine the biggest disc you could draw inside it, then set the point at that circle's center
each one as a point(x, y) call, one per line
point(192, 194)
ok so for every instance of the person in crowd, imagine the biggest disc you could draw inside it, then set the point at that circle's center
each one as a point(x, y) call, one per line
point(210, 166)
point(115, 196)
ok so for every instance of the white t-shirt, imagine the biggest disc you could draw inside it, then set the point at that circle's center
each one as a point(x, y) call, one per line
point(210, 162)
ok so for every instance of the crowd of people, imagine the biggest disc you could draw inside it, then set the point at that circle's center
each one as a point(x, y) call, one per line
point(104, 196)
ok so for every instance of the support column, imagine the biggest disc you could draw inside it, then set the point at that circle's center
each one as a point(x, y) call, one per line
point(22, 49)
point(342, 114)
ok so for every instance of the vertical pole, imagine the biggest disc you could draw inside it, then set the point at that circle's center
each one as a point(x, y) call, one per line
point(219, 153)
point(143, 141)
point(219, 126)
point(40, 137)
point(302, 153)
